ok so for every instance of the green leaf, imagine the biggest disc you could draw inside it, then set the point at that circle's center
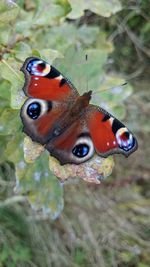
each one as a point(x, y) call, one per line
point(42, 188)
point(49, 55)
point(4, 139)
point(22, 51)
point(48, 13)
point(111, 94)
point(23, 26)
point(4, 94)
point(62, 36)
point(84, 74)
point(102, 8)
point(8, 12)
point(64, 4)
point(9, 121)
point(118, 111)
point(14, 149)
point(10, 71)
point(5, 33)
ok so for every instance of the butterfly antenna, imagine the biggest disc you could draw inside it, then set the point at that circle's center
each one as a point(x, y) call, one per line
point(86, 60)
point(111, 88)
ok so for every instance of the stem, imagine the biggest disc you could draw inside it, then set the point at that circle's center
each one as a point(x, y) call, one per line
point(12, 200)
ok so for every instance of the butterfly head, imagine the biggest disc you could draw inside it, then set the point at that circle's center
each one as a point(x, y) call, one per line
point(87, 96)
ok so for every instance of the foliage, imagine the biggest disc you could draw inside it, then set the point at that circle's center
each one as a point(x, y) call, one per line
point(99, 7)
point(39, 32)
point(63, 32)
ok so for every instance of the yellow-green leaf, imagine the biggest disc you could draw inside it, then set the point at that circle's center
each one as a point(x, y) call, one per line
point(102, 8)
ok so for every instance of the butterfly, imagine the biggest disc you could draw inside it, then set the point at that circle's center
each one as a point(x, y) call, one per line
point(68, 126)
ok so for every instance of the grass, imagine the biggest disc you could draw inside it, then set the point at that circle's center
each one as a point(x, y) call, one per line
point(106, 225)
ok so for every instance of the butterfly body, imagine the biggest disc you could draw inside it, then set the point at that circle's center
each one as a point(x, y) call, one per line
point(69, 127)
point(74, 113)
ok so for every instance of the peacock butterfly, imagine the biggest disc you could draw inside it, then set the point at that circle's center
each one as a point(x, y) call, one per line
point(70, 128)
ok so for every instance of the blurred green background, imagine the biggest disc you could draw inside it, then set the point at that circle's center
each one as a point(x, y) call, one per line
point(45, 224)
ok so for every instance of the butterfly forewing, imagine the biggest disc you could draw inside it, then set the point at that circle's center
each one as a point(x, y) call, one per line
point(108, 134)
point(43, 81)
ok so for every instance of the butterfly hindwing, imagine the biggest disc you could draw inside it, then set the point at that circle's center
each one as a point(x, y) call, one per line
point(43, 81)
point(108, 134)
point(74, 145)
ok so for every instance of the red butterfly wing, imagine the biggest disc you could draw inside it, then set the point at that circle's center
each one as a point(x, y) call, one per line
point(43, 81)
point(40, 117)
point(108, 134)
point(74, 145)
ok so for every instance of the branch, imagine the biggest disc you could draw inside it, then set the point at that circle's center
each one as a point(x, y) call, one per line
point(12, 200)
